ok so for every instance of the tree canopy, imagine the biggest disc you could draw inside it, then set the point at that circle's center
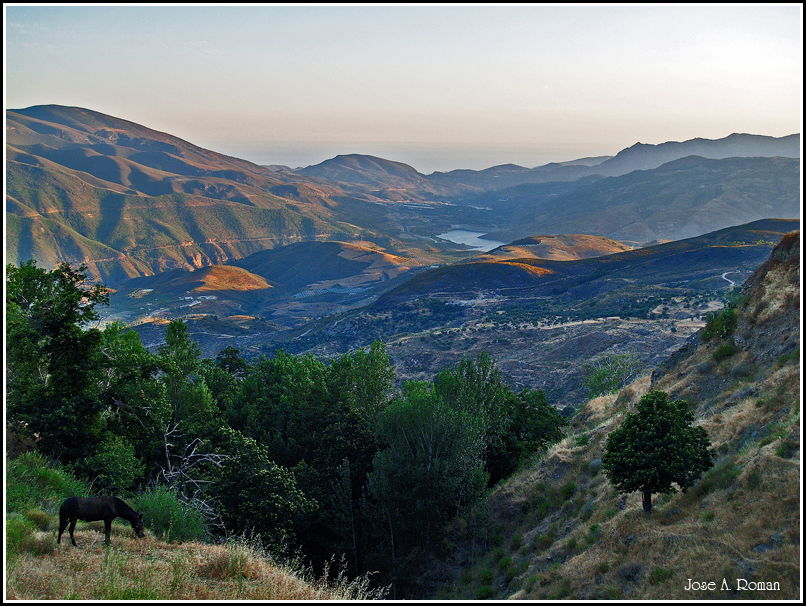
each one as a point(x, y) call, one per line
point(655, 447)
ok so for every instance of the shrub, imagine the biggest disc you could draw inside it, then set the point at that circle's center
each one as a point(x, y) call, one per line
point(168, 517)
point(485, 593)
point(115, 465)
point(40, 519)
point(725, 350)
point(719, 476)
point(517, 541)
point(658, 575)
point(719, 323)
point(787, 449)
point(568, 490)
point(17, 530)
point(505, 562)
point(708, 516)
point(582, 440)
point(793, 356)
point(32, 483)
point(486, 576)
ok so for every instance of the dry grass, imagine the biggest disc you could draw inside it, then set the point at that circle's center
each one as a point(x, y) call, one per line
point(141, 569)
point(741, 520)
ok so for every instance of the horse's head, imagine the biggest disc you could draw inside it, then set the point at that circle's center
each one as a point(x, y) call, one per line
point(139, 527)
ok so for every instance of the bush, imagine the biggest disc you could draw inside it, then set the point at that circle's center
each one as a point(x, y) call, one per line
point(17, 530)
point(719, 323)
point(725, 350)
point(719, 476)
point(658, 575)
point(787, 449)
point(32, 483)
point(40, 519)
point(167, 517)
point(486, 576)
point(793, 356)
point(568, 490)
point(485, 593)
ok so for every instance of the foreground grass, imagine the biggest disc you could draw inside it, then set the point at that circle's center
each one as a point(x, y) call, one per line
point(148, 569)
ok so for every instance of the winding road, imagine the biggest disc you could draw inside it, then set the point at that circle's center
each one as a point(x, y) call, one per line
point(724, 277)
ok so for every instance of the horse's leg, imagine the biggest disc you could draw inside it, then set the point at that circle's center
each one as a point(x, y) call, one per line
point(108, 530)
point(72, 528)
point(62, 526)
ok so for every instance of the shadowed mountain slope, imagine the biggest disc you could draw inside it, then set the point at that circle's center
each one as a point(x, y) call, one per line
point(639, 156)
point(680, 199)
point(325, 264)
point(690, 259)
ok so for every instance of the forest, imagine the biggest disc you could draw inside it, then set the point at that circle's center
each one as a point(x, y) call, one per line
point(329, 459)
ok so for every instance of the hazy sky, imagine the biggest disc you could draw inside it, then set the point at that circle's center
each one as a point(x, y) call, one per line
point(437, 87)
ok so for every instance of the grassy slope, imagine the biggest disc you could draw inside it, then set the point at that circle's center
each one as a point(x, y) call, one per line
point(37, 568)
point(138, 569)
point(559, 530)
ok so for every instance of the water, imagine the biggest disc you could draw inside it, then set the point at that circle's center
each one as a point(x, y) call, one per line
point(470, 238)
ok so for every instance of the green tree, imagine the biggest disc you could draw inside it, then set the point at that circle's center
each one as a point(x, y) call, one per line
point(363, 380)
point(52, 357)
point(476, 388)
point(609, 373)
point(254, 493)
point(432, 466)
point(532, 425)
point(135, 402)
point(656, 447)
point(191, 401)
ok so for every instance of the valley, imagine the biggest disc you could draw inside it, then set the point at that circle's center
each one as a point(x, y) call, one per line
point(359, 289)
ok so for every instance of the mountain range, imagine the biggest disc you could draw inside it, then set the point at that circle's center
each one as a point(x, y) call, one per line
point(130, 201)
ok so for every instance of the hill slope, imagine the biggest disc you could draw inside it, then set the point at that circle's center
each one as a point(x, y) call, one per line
point(560, 247)
point(679, 199)
point(636, 157)
point(130, 201)
point(577, 538)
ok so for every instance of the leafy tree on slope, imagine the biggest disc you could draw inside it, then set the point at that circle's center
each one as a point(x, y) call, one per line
point(656, 447)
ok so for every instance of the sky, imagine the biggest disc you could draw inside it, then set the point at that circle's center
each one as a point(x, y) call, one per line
point(437, 87)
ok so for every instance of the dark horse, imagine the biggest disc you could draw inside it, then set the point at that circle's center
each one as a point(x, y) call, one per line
point(92, 509)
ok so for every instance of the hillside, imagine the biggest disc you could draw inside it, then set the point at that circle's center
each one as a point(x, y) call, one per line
point(679, 199)
point(321, 265)
point(130, 201)
point(559, 530)
point(691, 259)
point(644, 302)
point(560, 247)
point(384, 178)
point(156, 567)
point(283, 286)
